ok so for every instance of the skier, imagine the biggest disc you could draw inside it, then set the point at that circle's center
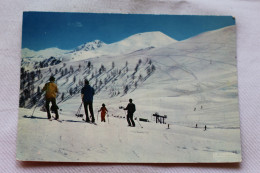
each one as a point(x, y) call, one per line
point(50, 96)
point(130, 113)
point(103, 111)
point(87, 93)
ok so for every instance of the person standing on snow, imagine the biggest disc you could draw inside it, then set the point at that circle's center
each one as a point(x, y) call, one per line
point(87, 93)
point(103, 111)
point(50, 96)
point(130, 113)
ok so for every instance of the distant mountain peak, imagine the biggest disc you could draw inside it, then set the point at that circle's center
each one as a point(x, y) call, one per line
point(148, 39)
point(90, 45)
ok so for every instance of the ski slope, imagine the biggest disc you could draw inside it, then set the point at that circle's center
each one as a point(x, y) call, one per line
point(76, 141)
point(192, 82)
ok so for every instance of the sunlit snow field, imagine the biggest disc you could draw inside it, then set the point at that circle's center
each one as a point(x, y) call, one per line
point(192, 82)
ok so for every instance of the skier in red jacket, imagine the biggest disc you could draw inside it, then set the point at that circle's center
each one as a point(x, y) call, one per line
point(103, 111)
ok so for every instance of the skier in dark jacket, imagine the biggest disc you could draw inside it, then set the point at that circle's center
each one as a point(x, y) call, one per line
point(130, 113)
point(87, 93)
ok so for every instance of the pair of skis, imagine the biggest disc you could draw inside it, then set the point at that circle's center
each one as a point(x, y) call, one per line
point(89, 122)
point(53, 118)
point(121, 107)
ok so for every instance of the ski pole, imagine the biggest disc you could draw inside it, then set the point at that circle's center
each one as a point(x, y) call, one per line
point(139, 123)
point(79, 108)
point(34, 110)
point(36, 104)
point(78, 112)
point(125, 115)
point(107, 118)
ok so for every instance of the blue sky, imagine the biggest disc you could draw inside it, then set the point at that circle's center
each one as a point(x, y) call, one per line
point(43, 30)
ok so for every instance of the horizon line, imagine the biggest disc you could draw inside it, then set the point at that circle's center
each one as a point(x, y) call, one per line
point(123, 39)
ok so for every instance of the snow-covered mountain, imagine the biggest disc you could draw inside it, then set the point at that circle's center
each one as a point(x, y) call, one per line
point(98, 48)
point(198, 72)
point(28, 53)
point(140, 41)
point(31, 59)
point(202, 68)
point(192, 82)
point(133, 43)
point(42, 54)
point(90, 46)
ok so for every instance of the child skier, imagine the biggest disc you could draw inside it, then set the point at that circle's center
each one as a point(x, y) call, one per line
point(103, 111)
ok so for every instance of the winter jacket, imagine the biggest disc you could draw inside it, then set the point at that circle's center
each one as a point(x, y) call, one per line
point(130, 108)
point(88, 93)
point(51, 90)
point(103, 109)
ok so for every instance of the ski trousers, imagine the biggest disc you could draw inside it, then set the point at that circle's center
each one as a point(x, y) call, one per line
point(89, 106)
point(54, 105)
point(130, 119)
point(103, 115)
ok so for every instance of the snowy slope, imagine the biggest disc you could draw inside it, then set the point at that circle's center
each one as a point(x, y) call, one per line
point(30, 57)
point(128, 45)
point(189, 74)
point(192, 82)
point(90, 46)
point(200, 73)
point(46, 53)
point(76, 141)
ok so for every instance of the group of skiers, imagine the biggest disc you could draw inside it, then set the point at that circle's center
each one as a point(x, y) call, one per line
point(87, 93)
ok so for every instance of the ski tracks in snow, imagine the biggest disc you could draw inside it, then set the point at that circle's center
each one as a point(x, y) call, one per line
point(201, 97)
point(135, 154)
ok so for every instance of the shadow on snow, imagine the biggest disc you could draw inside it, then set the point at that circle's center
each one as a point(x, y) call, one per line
point(34, 117)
